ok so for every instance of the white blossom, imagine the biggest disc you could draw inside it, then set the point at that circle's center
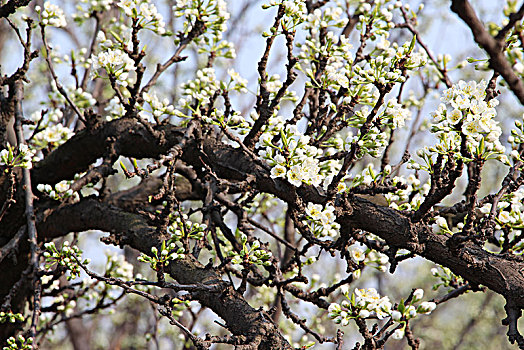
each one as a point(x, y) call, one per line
point(52, 15)
point(357, 254)
point(398, 334)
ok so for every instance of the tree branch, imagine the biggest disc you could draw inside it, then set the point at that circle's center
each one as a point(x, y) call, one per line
point(12, 6)
point(499, 273)
point(493, 47)
point(133, 230)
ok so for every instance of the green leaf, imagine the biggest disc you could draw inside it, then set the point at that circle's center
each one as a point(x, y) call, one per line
point(412, 44)
point(401, 306)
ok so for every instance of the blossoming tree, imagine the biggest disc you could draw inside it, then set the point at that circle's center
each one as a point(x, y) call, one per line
point(254, 213)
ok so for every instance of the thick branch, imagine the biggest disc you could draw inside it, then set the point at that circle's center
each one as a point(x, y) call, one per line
point(502, 274)
point(11, 6)
point(493, 47)
point(133, 230)
point(499, 273)
point(131, 139)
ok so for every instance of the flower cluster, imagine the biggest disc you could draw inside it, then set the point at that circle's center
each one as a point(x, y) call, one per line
point(23, 158)
point(324, 18)
point(118, 267)
point(214, 12)
point(120, 38)
point(396, 114)
point(47, 128)
point(217, 116)
point(339, 58)
point(446, 277)
point(179, 306)
point(273, 86)
point(80, 97)
point(381, 70)
point(387, 60)
point(516, 137)
point(168, 252)
point(159, 107)
point(294, 158)
point(369, 175)
point(470, 116)
point(509, 219)
point(321, 221)
point(372, 142)
point(369, 300)
point(114, 109)
point(410, 197)
point(198, 92)
point(513, 208)
point(440, 226)
point(61, 190)
point(234, 121)
point(76, 57)
point(182, 227)
point(67, 257)
point(512, 48)
point(405, 311)
point(369, 257)
point(52, 136)
point(299, 166)
point(333, 48)
point(93, 6)
point(295, 12)
point(52, 15)
point(509, 216)
point(50, 282)
point(363, 303)
point(381, 17)
point(64, 304)
point(19, 343)
point(236, 82)
point(116, 63)
point(93, 291)
point(10, 317)
point(251, 253)
point(214, 15)
point(386, 66)
point(146, 14)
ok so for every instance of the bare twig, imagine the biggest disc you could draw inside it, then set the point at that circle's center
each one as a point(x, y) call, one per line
point(12, 244)
point(29, 210)
point(59, 86)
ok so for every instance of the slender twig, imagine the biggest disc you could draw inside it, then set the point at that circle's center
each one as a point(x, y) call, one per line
point(513, 18)
point(29, 210)
point(197, 30)
point(59, 86)
point(12, 244)
point(407, 24)
point(85, 79)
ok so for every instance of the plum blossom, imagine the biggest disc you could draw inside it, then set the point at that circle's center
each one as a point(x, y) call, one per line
point(147, 14)
point(116, 62)
point(397, 113)
point(322, 219)
point(357, 254)
point(52, 15)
